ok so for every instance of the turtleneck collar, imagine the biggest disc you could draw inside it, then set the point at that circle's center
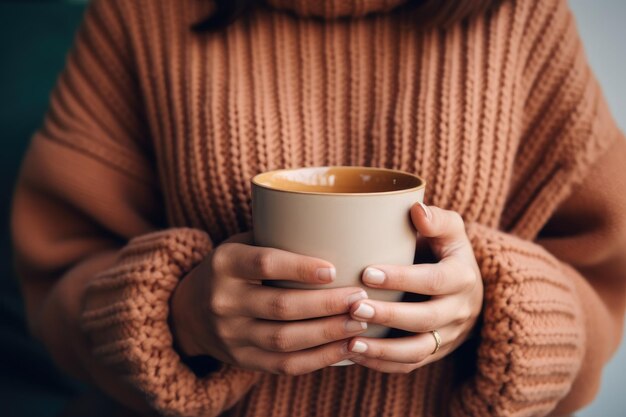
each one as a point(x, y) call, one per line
point(335, 8)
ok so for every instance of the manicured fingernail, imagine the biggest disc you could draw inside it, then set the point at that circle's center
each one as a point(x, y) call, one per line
point(365, 311)
point(427, 212)
point(355, 325)
point(326, 274)
point(352, 298)
point(359, 347)
point(373, 276)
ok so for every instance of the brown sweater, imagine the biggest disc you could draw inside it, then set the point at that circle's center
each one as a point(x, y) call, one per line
point(143, 163)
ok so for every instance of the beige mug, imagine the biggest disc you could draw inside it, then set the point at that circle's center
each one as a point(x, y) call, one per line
point(350, 216)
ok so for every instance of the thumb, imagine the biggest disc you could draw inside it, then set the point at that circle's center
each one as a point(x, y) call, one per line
point(444, 228)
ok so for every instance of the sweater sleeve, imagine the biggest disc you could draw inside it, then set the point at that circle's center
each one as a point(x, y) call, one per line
point(96, 263)
point(555, 281)
point(553, 308)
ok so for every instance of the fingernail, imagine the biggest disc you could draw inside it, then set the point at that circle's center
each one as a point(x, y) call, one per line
point(326, 274)
point(427, 212)
point(359, 347)
point(352, 298)
point(373, 276)
point(365, 311)
point(355, 325)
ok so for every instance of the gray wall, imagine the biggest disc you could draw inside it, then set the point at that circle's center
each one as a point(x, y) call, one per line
point(602, 25)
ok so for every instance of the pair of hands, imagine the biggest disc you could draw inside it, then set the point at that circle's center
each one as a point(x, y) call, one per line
point(221, 309)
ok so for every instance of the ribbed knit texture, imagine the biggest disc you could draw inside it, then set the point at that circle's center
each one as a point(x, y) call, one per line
point(531, 346)
point(500, 114)
point(127, 314)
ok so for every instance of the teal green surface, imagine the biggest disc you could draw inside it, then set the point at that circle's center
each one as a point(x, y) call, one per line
point(34, 39)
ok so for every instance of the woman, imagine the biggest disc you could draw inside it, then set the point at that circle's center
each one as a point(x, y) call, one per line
point(131, 217)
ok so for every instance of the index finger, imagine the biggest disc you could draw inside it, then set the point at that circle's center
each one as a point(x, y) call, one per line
point(263, 263)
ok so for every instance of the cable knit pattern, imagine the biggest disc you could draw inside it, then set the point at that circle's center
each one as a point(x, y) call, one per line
point(532, 347)
point(126, 315)
point(153, 126)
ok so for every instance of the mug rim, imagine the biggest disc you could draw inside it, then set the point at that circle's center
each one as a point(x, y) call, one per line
point(422, 182)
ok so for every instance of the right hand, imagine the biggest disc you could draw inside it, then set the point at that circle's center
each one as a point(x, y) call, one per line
point(221, 309)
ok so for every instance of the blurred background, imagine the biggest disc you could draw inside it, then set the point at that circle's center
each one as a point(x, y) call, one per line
point(34, 38)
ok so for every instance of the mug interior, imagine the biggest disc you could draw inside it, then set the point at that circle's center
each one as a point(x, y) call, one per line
point(339, 179)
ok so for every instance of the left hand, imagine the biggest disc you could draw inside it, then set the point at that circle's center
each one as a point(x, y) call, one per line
point(455, 287)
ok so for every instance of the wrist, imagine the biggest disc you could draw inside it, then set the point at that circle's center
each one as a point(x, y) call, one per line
point(181, 317)
point(182, 329)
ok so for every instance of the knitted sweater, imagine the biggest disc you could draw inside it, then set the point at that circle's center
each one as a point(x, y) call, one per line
point(144, 160)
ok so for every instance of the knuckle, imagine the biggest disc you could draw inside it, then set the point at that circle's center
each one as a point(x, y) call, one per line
point(385, 315)
point(288, 366)
point(470, 278)
point(331, 333)
point(279, 340)
point(474, 313)
point(218, 305)
point(376, 365)
point(380, 353)
point(465, 314)
point(398, 277)
point(262, 263)
point(435, 281)
point(422, 353)
point(429, 320)
point(456, 221)
point(219, 257)
point(417, 356)
point(280, 307)
point(328, 357)
point(333, 305)
point(222, 331)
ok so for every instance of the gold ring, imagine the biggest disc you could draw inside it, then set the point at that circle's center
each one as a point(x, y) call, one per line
point(437, 337)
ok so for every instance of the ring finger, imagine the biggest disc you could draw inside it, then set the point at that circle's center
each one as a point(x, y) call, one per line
point(293, 336)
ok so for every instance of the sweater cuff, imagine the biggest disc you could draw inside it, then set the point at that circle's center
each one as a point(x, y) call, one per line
point(532, 336)
point(126, 317)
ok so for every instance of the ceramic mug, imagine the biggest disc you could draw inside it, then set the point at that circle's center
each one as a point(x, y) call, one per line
point(351, 216)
